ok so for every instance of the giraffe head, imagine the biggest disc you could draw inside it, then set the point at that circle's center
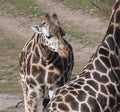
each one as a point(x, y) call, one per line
point(52, 35)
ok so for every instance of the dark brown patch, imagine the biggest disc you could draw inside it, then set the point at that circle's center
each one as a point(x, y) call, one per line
point(117, 71)
point(51, 68)
point(106, 61)
point(105, 45)
point(100, 67)
point(36, 56)
point(54, 105)
point(81, 96)
point(90, 90)
point(93, 84)
point(87, 75)
point(118, 87)
point(111, 42)
point(114, 61)
point(100, 78)
point(84, 108)
point(102, 100)
point(35, 70)
point(64, 92)
point(103, 89)
point(93, 104)
point(60, 82)
point(111, 89)
point(111, 101)
point(117, 35)
point(72, 101)
point(90, 67)
point(103, 52)
point(32, 82)
point(28, 64)
point(33, 94)
point(58, 64)
point(74, 93)
point(113, 77)
point(59, 99)
point(52, 77)
point(116, 50)
point(63, 107)
point(41, 75)
point(118, 16)
point(110, 29)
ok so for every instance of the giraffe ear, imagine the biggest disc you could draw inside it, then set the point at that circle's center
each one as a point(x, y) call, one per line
point(56, 20)
point(36, 29)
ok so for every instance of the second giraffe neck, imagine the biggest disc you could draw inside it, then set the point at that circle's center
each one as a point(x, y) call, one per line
point(111, 41)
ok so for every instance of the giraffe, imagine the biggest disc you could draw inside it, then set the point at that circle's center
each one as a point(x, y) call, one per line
point(97, 87)
point(46, 62)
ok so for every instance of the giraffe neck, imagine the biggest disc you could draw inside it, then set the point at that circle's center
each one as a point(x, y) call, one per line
point(111, 41)
point(107, 56)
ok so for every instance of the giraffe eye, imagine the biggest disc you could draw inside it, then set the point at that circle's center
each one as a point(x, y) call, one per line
point(49, 36)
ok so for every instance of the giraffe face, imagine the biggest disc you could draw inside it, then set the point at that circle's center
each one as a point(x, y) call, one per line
point(46, 39)
point(52, 35)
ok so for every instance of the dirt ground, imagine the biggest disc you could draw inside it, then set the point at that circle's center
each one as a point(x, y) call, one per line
point(20, 27)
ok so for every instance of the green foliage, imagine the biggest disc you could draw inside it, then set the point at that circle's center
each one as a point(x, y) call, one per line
point(26, 7)
point(9, 69)
point(75, 4)
point(86, 3)
point(104, 5)
point(8, 54)
point(92, 6)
